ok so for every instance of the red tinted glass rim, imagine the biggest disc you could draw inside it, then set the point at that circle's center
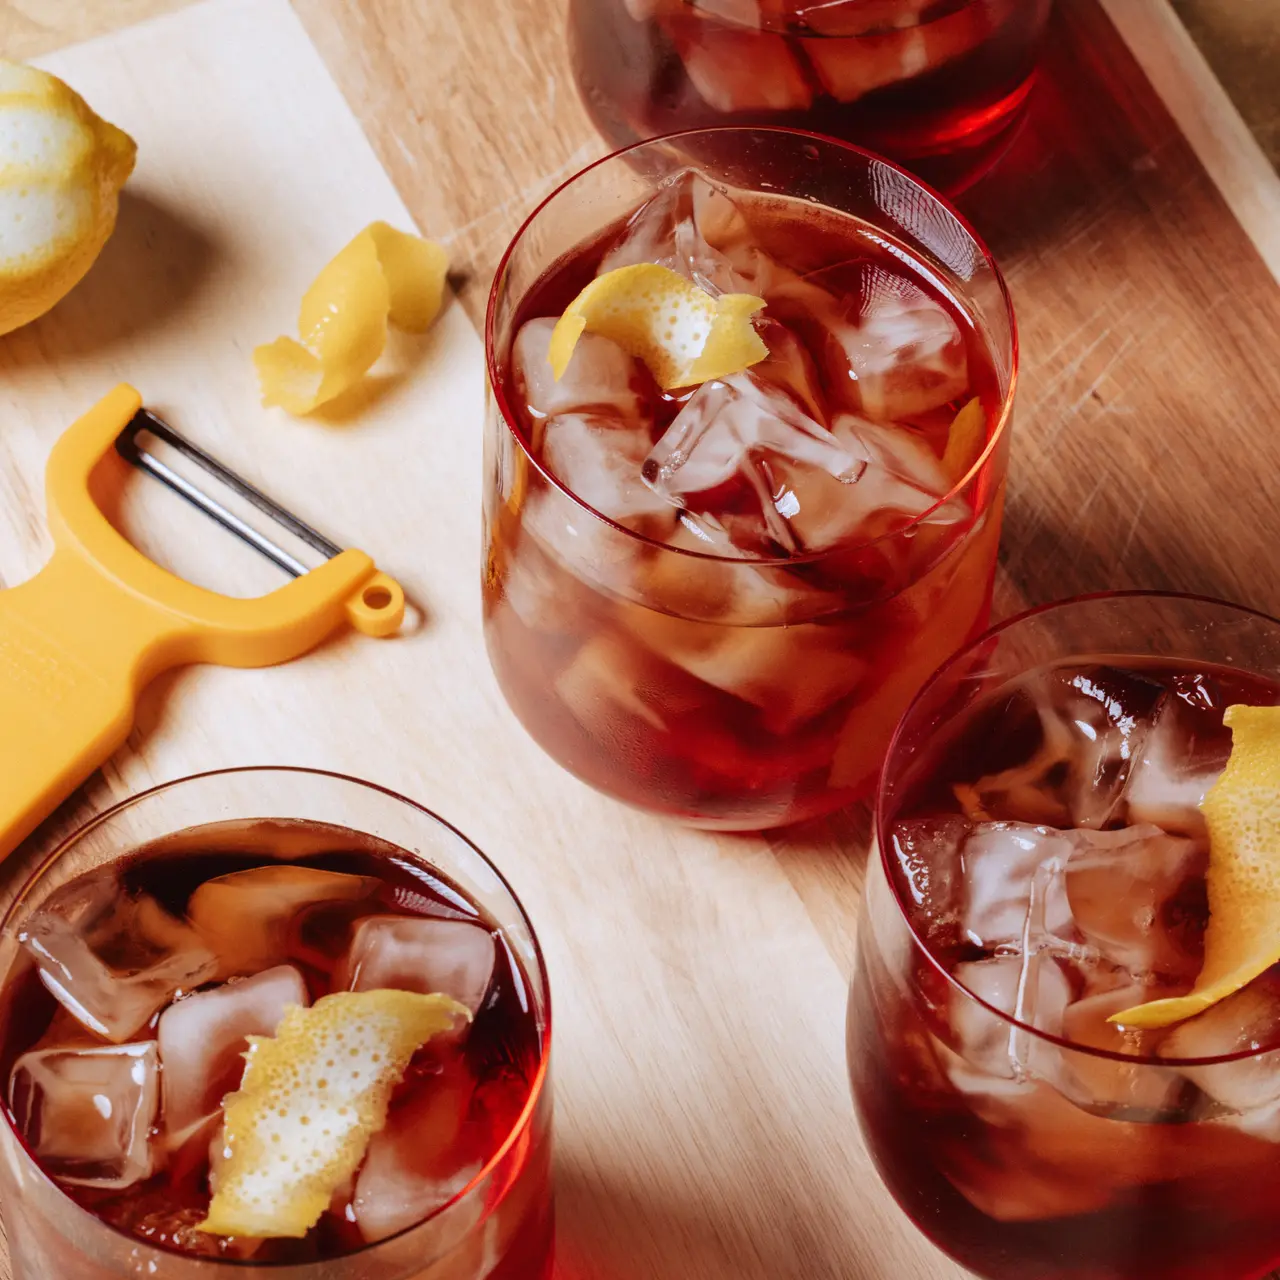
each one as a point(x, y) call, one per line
point(518, 1128)
point(498, 388)
point(881, 825)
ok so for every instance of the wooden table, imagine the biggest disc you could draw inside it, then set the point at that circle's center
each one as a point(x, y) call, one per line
point(705, 1131)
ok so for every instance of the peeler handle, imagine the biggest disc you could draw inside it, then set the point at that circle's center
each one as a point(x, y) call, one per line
point(67, 687)
point(80, 640)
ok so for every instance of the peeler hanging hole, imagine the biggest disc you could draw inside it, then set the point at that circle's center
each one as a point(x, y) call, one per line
point(378, 607)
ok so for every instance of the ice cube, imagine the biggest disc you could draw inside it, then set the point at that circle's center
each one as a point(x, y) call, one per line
point(735, 71)
point(1093, 725)
point(530, 583)
point(719, 217)
point(1031, 989)
point(668, 230)
point(732, 431)
point(999, 864)
point(588, 547)
point(86, 1114)
point(755, 14)
point(716, 590)
point(851, 68)
point(156, 1215)
point(1172, 773)
point(858, 17)
point(1039, 1155)
point(612, 683)
point(1133, 896)
point(246, 917)
point(791, 673)
point(202, 1040)
point(113, 958)
point(600, 463)
point(424, 955)
point(927, 854)
point(902, 481)
point(1246, 1022)
point(790, 367)
point(601, 377)
point(426, 1155)
point(1110, 1086)
point(904, 356)
point(740, 264)
point(906, 475)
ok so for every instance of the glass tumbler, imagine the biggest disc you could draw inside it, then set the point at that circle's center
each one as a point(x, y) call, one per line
point(498, 1227)
point(1018, 1152)
point(593, 629)
point(940, 86)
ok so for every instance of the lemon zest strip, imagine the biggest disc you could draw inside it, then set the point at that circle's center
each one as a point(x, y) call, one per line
point(1242, 810)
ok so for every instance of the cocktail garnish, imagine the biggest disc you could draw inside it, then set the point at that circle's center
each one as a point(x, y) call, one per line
point(684, 335)
point(310, 1101)
point(965, 442)
point(1242, 810)
point(382, 277)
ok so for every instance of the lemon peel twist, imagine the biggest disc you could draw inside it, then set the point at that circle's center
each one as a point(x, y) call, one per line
point(311, 1099)
point(1242, 811)
point(683, 334)
point(382, 277)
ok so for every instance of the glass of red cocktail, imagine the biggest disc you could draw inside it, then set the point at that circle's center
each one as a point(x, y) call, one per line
point(142, 957)
point(1042, 869)
point(937, 85)
point(713, 601)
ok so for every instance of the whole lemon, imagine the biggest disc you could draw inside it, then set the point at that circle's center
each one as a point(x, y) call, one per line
point(61, 170)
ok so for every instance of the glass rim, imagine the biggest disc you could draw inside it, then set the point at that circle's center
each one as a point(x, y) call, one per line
point(497, 386)
point(519, 1125)
point(879, 809)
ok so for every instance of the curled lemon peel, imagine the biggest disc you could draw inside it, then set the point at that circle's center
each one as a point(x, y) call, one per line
point(61, 170)
point(965, 440)
point(311, 1099)
point(383, 277)
point(1242, 811)
point(681, 332)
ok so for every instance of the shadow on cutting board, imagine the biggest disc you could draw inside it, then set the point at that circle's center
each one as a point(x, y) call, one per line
point(149, 269)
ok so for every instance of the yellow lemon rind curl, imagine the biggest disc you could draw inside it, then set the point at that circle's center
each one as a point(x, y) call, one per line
point(1242, 810)
point(311, 1099)
point(683, 334)
point(382, 278)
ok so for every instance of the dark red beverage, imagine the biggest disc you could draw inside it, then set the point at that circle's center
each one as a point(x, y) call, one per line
point(786, 553)
point(1048, 853)
point(938, 85)
point(126, 1019)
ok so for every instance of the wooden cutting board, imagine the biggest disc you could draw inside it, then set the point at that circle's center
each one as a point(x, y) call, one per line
point(699, 1059)
point(705, 1129)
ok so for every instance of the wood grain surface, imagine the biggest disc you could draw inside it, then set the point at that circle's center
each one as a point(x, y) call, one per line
point(705, 1125)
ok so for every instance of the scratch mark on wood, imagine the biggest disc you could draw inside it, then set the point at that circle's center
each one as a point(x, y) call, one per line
point(1133, 525)
point(528, 194)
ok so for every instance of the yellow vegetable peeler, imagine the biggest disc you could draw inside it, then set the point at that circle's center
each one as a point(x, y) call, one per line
point(80, 640)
